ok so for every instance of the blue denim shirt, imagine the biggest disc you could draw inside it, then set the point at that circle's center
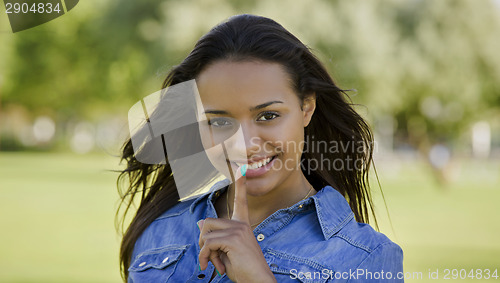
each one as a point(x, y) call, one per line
point(315, 240)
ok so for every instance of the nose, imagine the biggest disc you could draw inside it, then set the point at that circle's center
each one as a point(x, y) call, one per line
point(244, 143)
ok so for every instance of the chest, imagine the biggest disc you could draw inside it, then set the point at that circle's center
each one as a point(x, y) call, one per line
point(179, 263)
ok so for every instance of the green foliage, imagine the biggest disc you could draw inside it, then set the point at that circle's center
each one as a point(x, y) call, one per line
point(434, 65)
point(86, 60)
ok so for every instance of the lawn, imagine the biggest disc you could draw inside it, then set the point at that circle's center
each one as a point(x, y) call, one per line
point(455, 227)
point(57, 217)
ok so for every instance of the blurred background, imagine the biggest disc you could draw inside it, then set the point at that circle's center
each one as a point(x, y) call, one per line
point(426, 74)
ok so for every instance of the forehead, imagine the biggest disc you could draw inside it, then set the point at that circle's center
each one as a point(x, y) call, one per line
point(227, 84)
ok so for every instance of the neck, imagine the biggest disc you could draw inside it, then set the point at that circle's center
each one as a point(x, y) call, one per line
point(262, 206)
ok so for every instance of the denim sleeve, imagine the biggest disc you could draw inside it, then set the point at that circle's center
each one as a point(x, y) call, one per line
point(384, 264)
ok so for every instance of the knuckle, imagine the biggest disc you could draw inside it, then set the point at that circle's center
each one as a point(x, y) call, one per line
point(242, 228)
point(203, 237)
point(201, 255)
point(213, 255)
point(209, 242)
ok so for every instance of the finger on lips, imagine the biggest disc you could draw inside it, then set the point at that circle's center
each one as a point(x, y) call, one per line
point(209, 241)
point(240, 207)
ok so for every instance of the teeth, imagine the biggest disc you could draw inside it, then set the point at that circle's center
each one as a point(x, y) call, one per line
point(263, 162)
point(258, 164)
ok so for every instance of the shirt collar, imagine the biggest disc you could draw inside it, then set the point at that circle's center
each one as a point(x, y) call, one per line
point(213, 192)
point(332, 209)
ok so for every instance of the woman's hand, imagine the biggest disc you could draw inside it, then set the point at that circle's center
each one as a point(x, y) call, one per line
point(231, 245)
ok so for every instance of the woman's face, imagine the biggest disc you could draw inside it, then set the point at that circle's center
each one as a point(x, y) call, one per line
point(253, 111)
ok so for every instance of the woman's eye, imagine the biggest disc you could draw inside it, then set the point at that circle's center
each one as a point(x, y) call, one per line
point(219, 122)
point(266, 116)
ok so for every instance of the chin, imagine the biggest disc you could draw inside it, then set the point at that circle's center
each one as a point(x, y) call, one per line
point(257, 188)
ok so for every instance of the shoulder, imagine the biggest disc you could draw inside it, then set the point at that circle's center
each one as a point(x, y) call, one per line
point(174, 227)
point(378, 256)
point(337, 222)
point(362, 236)
point(324, 241)
point(359, 253)
point(357, 245)
point(177, 210)
point(367, 252)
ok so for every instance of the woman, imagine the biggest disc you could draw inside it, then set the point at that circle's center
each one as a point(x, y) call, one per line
point(297, 207)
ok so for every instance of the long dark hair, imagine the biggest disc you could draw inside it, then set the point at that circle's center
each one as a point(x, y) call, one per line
point(249, 37)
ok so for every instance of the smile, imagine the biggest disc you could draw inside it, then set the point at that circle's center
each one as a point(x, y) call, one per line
point(257, 164)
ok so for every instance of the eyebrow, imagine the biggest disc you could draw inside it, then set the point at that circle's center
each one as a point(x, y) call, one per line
point(260, 106)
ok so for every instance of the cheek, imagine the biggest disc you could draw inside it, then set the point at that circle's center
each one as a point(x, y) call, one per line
point(218, 159)
point(287, 139)
point(205, 136)
point(213, 142)
point(213, 151)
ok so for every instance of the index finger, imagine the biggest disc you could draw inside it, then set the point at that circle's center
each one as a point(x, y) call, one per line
point(240, 207)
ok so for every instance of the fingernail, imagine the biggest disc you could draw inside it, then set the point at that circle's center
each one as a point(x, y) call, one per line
point(199, 223)
point(218, 272)
point(244, 169)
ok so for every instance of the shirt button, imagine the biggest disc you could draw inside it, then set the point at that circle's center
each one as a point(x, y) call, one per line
point(165, 260)
point(300, 206)
point(142, 263)
point(260, 237)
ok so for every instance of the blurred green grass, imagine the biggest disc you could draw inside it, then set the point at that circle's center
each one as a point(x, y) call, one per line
point(57, 217)
point(439, 228)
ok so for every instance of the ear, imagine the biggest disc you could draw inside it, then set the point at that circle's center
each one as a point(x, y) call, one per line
point(308, 107)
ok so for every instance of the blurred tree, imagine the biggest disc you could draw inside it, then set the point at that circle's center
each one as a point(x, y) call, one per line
point(432, 65)
point(91, 61)
point(440, 75)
